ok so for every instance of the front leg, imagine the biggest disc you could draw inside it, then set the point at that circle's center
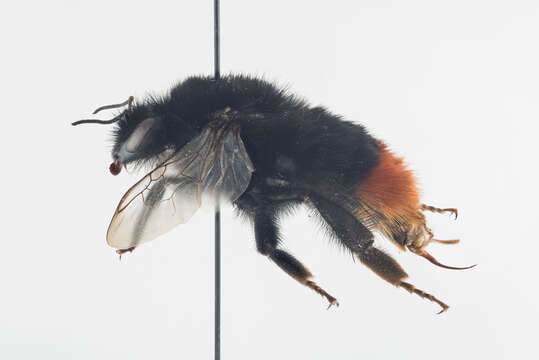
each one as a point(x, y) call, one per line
point(267, 241)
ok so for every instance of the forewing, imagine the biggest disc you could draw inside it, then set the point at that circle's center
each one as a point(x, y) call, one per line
point(215, 163)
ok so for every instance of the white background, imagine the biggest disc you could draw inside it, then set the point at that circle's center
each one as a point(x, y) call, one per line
point(452, 86)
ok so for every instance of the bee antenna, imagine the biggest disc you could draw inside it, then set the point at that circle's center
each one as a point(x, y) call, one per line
point(96, 121)
point(128, 102)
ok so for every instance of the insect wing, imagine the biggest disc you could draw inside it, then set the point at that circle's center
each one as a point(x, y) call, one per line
point(215, 163)
point(229, 174)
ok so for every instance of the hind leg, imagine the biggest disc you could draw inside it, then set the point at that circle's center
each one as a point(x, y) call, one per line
point(439, 210)
point(267, 241)
point(425, 236)
point(359, 240)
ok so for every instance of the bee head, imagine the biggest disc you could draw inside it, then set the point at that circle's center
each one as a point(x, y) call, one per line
point(140, 136)
point(143, 134)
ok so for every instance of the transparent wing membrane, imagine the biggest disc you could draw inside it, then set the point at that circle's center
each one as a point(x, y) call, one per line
point(214, 164)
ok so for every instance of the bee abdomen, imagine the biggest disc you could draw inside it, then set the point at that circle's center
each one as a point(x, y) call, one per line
point(390, 189)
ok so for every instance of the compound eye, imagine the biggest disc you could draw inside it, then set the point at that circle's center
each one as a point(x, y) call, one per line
point(136, 138)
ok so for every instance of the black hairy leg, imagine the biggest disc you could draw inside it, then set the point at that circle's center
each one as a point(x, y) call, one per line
point(359, 240)
point(267, 241)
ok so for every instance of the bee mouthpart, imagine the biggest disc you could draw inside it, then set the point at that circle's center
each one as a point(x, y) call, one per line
point(116, 167)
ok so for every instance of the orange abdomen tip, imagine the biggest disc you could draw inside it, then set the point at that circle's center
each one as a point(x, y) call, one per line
point(390, 186)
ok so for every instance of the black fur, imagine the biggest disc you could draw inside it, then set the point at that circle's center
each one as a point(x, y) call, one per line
point(299, 153)
point(284, 136)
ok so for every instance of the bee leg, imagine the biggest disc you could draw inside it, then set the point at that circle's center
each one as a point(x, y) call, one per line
point(446, 242)
point(439, 211)
point(359, 240)
point(267, 241)
point(120, 252)
point(413, 290)
point(388, 269)
point(420, 250)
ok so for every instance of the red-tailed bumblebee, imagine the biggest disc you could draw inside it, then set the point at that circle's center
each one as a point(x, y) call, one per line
point(245, 140)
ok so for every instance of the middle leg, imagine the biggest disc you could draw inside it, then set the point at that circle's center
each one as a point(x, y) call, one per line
point(267, 241)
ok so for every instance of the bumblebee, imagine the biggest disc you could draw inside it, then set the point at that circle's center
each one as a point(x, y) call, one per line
point(245, 140)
